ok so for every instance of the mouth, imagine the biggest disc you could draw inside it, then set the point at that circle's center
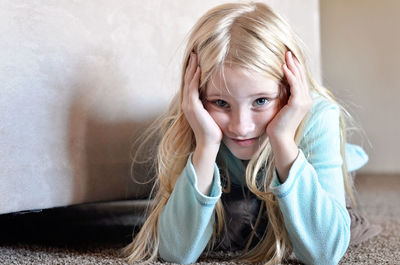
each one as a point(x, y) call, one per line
point(245, 142)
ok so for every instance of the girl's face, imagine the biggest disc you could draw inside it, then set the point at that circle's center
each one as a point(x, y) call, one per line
point(244, 111)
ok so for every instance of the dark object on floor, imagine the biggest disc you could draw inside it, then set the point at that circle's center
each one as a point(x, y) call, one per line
point(361, 229)
point(378, 196)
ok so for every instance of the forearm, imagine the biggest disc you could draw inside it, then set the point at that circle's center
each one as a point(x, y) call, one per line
point(187, 220)
point(312, 199)
point(285, 153)
point(318, 223)
point(203, 161)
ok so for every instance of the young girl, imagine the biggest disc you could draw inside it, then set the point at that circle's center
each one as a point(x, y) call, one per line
point(252, 154)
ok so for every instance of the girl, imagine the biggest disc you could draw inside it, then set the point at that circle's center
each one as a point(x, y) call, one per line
point(252, 154)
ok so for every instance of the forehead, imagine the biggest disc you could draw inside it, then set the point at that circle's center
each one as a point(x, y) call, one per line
point(239, 82)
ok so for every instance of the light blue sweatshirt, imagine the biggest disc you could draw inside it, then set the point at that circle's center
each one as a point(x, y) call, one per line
point(312, 199)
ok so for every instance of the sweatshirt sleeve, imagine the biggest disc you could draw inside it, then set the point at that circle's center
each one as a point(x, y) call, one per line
point(186, 222)
point(312, 199)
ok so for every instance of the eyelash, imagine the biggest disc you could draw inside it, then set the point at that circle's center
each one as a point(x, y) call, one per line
point(265, 101)
point(222, 104)
point(218, 103)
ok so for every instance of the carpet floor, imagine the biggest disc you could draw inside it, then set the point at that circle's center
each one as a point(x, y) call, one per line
point(95, 233)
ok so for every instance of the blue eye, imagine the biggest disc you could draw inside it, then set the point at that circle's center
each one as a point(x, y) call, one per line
point(221, 103)
point(261, 101)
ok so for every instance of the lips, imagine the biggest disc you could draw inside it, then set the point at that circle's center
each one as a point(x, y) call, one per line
point(245, 142)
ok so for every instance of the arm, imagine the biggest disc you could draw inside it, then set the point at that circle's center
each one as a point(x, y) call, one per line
point(282, 129)
point(312, 198)
point(187, 220)
point(207, 133)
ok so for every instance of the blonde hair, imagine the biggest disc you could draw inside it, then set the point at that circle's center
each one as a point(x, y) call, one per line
point(251, 36)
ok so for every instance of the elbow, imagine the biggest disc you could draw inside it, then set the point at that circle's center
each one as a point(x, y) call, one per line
point(331, 250)
point(179, 258)
point(339, 248)
point(338, 242)
point(176, 253)
point(330, 257)
point(335, 252)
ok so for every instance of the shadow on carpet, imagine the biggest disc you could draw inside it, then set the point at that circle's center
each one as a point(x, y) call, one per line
point(95, 233)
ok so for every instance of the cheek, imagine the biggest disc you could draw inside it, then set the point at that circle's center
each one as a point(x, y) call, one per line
point(263, 118)
point(220, 118)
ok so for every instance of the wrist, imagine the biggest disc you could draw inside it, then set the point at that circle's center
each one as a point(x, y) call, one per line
point(202, 151)
point(207, 146)
point(203, 160)
point(280, 137)
point(285, 153)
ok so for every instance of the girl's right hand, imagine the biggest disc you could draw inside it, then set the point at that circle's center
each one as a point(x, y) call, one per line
point(206, 131)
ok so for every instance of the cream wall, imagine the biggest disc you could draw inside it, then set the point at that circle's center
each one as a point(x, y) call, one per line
point(78, 79)
point(360, 42)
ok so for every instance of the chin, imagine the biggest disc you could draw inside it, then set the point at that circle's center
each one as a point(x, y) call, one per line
point(241, 153)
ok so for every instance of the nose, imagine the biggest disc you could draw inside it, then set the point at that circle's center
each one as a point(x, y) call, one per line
point(241, 124)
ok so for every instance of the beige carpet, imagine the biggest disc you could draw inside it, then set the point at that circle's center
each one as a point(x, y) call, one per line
point(93, 234)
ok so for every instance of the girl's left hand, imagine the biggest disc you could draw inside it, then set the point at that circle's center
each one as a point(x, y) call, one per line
point(285, 123)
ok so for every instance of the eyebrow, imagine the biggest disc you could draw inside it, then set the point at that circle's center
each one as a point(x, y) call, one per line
point(271, 94)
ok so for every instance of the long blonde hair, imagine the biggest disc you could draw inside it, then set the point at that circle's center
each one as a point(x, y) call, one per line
point(251, 36)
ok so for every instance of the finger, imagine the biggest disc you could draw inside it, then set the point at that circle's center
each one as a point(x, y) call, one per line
point(194, 63)
point(291, 78)
point(301, 69)
point(194, 84)
point(291, 64)
point(190, 75)
point(192, 66)
point(189, 59)
point(186, 80)
point(302, 77)
point(189, 69)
